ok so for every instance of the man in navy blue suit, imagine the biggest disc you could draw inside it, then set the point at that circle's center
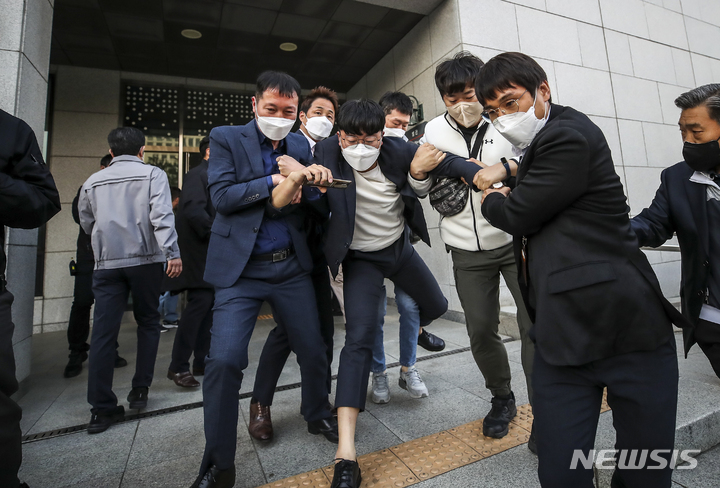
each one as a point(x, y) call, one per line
point(258, 252)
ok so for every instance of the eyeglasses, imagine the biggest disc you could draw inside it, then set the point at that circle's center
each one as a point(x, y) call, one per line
point(506, 107)
point(369, 140)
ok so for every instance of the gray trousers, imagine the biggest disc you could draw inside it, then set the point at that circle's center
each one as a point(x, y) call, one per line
point(477, 278)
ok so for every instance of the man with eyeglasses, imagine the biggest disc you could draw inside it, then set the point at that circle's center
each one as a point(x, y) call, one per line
point(599, 316)
point(368, 233)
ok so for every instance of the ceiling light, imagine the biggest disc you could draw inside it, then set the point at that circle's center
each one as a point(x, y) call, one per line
point(191, 33)
point(288, 46)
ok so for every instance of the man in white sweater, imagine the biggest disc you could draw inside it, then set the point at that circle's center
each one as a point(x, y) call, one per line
point(480, 252)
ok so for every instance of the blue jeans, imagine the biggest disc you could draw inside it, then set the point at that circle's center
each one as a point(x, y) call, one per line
point(168, 307)
point(409, 329)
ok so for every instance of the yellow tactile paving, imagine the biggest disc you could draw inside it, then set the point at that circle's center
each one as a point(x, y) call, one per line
point(471, 434)
point(435, 454)
point(312, 479)
point(421, 459)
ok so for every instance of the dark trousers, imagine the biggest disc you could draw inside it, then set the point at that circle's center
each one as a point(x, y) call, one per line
point(79, 323)
point(10, 412)
point(193, 333)
point(642, 392)
point(364, 273)
point(111, 288)
point(707, 335)
point(288, 289)
point(277, 346)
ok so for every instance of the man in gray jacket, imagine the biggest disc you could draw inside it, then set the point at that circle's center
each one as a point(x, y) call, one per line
point(127, 211)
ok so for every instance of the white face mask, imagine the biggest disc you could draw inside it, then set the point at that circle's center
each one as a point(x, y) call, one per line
point(275, 128)
point(466, 113)
point(520, 128)
point(318, 127)
point(360, 156)
point(393, 132)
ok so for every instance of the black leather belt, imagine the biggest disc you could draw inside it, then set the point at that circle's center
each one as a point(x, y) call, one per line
point(276, 256)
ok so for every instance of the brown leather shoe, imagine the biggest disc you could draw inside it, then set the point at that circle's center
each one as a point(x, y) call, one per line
point(184, 379)
point(260, 427)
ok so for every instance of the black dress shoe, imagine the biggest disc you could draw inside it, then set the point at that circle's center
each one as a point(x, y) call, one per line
point(347, 475)
point(138, 397)
point(120, 362)
point(102, 419)
point(198, 371)
point(431, 342)
point(74, 365)
point(216, 478)
point(327, 427)
point(532, 443)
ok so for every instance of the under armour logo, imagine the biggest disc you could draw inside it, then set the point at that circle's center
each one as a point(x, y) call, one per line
point(488, 142)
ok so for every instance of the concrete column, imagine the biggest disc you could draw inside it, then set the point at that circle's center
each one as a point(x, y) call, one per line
point(25, 37)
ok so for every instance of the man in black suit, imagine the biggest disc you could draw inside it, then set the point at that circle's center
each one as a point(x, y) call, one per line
point(599, 316)
point(687, 203)
point(368, 233)
point(193, 222)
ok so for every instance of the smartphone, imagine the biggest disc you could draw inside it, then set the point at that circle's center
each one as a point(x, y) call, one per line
point(336, 183)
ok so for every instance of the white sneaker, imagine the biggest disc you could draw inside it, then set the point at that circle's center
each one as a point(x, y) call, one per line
point(410, 380)
point(380, 388)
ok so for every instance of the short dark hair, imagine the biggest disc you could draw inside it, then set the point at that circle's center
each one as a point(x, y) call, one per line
point(285, 84)
point(361, 116)
point(126, 141)
point(105, 161)
point(319, 92)
point(505, 70)
point(204, 144)
point(396, 101)
point(707, 95)
point(453, 75)
point(175, 192)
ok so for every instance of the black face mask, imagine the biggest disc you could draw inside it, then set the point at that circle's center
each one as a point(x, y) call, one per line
point(702, 157)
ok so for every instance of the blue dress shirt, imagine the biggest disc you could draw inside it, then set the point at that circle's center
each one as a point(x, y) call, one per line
point(273, 234)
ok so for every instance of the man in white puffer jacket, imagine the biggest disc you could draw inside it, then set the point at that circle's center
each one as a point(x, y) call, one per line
point(480, 252)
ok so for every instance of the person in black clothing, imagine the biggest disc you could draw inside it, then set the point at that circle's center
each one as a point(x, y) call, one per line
point(79, 322)
point(688, 203)
point(599, 316)
point(193, 221)
point(28, 199)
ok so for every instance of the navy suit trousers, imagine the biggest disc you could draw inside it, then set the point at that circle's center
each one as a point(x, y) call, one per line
point(277, 347)
point(364, 274)
point(288, 289)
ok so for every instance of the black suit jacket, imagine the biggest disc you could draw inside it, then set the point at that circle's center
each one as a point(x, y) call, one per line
point(193, 221)
point(590, 291)
point(681, 206)
point(28, 196)
point(394, 161)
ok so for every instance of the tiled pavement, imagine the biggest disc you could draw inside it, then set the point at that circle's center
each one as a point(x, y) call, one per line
point(165, 451)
